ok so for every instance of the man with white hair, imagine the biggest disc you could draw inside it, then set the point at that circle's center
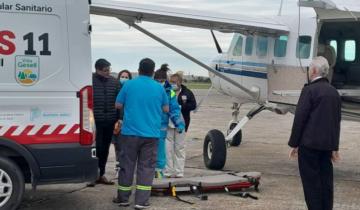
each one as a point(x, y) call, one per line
point(315, 136)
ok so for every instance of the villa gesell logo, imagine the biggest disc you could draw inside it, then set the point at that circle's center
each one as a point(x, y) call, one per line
point(27, 70)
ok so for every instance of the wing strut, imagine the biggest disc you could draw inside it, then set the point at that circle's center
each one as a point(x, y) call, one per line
point(254, 94)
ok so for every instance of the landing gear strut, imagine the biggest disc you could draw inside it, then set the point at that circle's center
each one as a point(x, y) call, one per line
point(215, 144)
point(236, 140)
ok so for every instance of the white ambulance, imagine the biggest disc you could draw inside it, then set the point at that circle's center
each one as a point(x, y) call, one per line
point(46, 121)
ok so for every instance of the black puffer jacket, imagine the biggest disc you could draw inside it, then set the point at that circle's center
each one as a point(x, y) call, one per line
point(105, 93)
point(187, 101)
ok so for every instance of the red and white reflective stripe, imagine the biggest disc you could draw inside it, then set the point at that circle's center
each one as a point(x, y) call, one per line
point(3, 129)
point(38, 134)
point(38, 130)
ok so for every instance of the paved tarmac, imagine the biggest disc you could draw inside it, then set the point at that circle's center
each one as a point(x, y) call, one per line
point(264, 149)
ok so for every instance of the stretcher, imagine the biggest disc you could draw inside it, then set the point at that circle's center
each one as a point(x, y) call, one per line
point(228, 182)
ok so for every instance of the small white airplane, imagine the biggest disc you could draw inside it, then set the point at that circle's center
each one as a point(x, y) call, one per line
point(268, 59)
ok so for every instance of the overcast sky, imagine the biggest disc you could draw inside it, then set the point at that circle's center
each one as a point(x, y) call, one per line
point(124, 47)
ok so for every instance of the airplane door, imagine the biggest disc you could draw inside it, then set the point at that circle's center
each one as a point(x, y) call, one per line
point(232, 67)
point(286, 75)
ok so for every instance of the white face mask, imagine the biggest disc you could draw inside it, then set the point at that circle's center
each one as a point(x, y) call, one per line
point(123, 80)
point(175, 87)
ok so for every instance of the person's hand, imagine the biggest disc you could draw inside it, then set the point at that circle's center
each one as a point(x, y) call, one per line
point(335, 156)
point(293, 154)
point(180, 128)
point(117, 128)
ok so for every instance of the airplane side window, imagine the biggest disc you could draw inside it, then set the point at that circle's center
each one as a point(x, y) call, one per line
point(303, 47)
point(280, 46)
point(238, 47)
point(350, 50)
point(262, 46)
point(249, 45)
point(333, 43)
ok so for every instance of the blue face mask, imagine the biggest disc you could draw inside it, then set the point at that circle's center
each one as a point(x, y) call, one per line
point(123, 80)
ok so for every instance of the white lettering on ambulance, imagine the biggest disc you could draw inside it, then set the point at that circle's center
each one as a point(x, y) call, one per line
point(33, 8)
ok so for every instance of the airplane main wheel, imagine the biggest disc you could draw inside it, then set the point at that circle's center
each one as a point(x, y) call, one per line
point(236, 140)
point(214, 150)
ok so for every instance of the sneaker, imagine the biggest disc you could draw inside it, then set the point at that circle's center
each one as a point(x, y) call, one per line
point(144, 206)
point(179, 176)
point(116, 200)
point(168, 175)
point(124, 203)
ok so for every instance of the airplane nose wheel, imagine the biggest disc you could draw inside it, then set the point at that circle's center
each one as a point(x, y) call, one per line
point(236, 140)
point(214, 150)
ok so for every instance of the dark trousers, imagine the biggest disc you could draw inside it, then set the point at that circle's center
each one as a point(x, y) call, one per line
point(141, 152)
point(117, 145)
point(104, 132)
point(316, 171)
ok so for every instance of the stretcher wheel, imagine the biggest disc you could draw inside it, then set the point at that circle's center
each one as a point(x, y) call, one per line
point(214, 150)
point(236, 140)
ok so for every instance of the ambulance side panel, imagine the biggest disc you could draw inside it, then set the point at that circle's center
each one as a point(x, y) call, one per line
point(44, 62)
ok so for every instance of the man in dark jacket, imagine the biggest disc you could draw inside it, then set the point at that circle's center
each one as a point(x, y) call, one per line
point(106, 89)
point(315, 136)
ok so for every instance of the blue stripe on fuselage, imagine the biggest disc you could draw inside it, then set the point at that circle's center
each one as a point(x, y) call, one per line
point(245, 63)
point(254, 74)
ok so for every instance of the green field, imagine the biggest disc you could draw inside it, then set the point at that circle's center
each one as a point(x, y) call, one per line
point(197, 85)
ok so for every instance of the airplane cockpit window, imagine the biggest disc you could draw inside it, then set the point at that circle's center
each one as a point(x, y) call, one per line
point(350, 50)
point(238, 47)
point(333, 43)
point(280, 46)
point(303, 47)
point(249, 45)
point(261, 46)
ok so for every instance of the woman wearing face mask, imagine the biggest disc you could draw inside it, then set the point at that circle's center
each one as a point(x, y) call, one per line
point(173, 116)
point(122, 77)
point(175, 142)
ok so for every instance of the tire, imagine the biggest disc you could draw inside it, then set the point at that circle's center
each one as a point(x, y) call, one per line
point(236, 140)
point(214, 150)
point(12, 181)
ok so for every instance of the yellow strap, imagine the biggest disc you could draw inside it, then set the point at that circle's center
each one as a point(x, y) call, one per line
point(173, 191)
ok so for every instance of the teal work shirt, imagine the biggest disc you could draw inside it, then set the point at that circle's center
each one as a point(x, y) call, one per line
point(143, 99)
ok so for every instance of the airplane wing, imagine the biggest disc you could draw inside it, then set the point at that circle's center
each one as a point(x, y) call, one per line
point(131, 12)
point(334, 9)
